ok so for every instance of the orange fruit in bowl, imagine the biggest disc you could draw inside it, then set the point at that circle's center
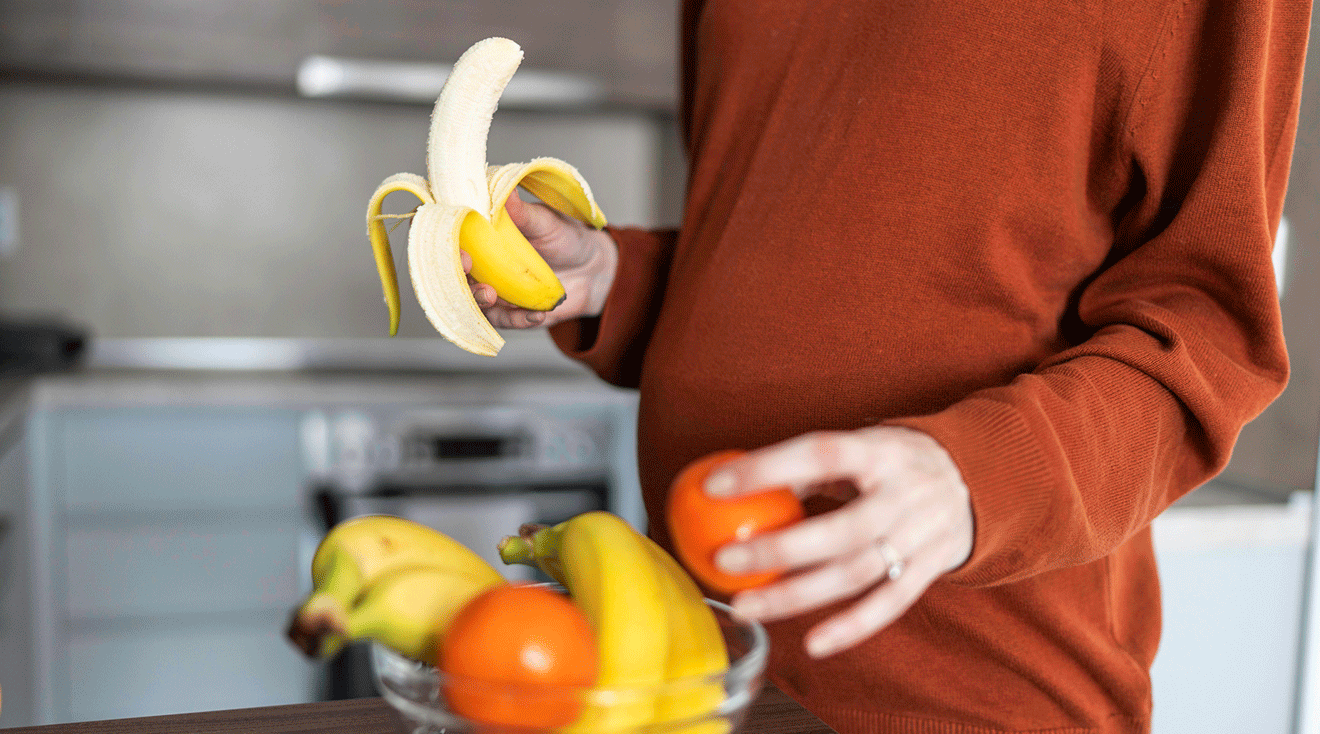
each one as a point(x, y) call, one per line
point(518, 655)
point(700, 524)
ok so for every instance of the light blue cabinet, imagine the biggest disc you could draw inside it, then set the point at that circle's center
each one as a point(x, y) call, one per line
point(177, 541)
point(171, 460)
point(1233, 580)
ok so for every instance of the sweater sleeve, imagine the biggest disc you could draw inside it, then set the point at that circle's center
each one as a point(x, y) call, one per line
point(1182, 342)
point(612, 344)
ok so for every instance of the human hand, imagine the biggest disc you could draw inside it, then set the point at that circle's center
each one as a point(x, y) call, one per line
point(584, 259)
point(910, 522)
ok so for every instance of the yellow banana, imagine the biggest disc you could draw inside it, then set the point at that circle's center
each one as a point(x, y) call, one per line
point(612, 577)
point(463, 207)
point(697, 653)
point(358, 551)
point(408, 609)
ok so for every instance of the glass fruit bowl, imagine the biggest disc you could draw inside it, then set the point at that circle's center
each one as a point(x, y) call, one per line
point(416, 691)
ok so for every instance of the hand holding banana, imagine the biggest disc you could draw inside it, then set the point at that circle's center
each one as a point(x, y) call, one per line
point(584, 258)
point(462, 233)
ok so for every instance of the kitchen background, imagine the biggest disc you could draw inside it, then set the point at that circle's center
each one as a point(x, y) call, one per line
point(179, 184)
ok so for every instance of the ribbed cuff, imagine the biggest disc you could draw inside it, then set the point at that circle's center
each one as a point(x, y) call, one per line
point(1008, 478)
point(612, 343)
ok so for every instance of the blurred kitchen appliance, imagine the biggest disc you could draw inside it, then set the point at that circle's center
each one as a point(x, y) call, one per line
point(29, 347)
point(475, 473)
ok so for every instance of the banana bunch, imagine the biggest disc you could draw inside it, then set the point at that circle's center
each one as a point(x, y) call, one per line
point(463, 208)
point(660, 645)
point(391, 580)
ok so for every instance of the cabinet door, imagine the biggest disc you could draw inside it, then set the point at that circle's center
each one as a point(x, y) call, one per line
point(177, 460)
point(182, 569)
point(1231, 579)
point(176, 668)
point(180, 539)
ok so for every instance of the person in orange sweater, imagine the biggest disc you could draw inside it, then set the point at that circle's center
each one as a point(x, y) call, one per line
point(988, 283)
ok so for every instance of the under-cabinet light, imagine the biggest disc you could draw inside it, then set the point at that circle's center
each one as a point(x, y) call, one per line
point(331, 76)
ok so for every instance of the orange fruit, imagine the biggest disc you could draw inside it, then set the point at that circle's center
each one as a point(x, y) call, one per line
point(518, 655)
point(699, 524)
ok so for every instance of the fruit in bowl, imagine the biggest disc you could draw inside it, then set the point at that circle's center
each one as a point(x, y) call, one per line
point(389, 579)
point(624, 642)
point(416, 692)
point(653, 627)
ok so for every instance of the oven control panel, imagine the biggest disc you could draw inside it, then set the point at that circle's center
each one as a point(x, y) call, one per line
point(452, 449)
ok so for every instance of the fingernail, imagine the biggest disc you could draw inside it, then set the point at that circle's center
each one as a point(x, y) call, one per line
point(733, 560)
point(719, 484)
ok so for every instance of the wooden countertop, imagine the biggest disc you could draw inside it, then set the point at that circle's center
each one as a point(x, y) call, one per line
point(771, 713)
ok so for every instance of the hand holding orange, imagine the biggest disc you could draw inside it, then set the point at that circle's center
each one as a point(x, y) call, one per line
point(700, 524)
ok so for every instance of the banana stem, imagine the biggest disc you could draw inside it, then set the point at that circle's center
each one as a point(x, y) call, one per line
point(515, 549)
point(342, 580)
point(546, 541)
point(535, 545)
point(317, 627)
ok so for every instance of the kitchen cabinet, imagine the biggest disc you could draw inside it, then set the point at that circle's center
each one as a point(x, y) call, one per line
point(176, 540)
point(1233, 579)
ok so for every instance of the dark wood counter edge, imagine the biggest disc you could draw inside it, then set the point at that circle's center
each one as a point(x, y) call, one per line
point(771, 713)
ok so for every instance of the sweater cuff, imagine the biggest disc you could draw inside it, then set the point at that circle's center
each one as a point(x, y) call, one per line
point(613, 342)
point(1009, 481)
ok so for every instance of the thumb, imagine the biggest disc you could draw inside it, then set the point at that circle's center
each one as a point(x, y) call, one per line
point(534, 221)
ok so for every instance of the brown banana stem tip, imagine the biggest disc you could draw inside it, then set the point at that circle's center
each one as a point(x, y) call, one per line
point(308, 631)
point(528, 529)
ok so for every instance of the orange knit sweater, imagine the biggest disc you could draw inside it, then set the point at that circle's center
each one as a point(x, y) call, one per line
point(1039, 231)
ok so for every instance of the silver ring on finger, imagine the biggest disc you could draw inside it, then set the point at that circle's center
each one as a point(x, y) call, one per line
point(893, 561)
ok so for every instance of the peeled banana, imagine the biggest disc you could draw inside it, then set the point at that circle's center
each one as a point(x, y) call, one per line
point(462, 207)
point(359, 551)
